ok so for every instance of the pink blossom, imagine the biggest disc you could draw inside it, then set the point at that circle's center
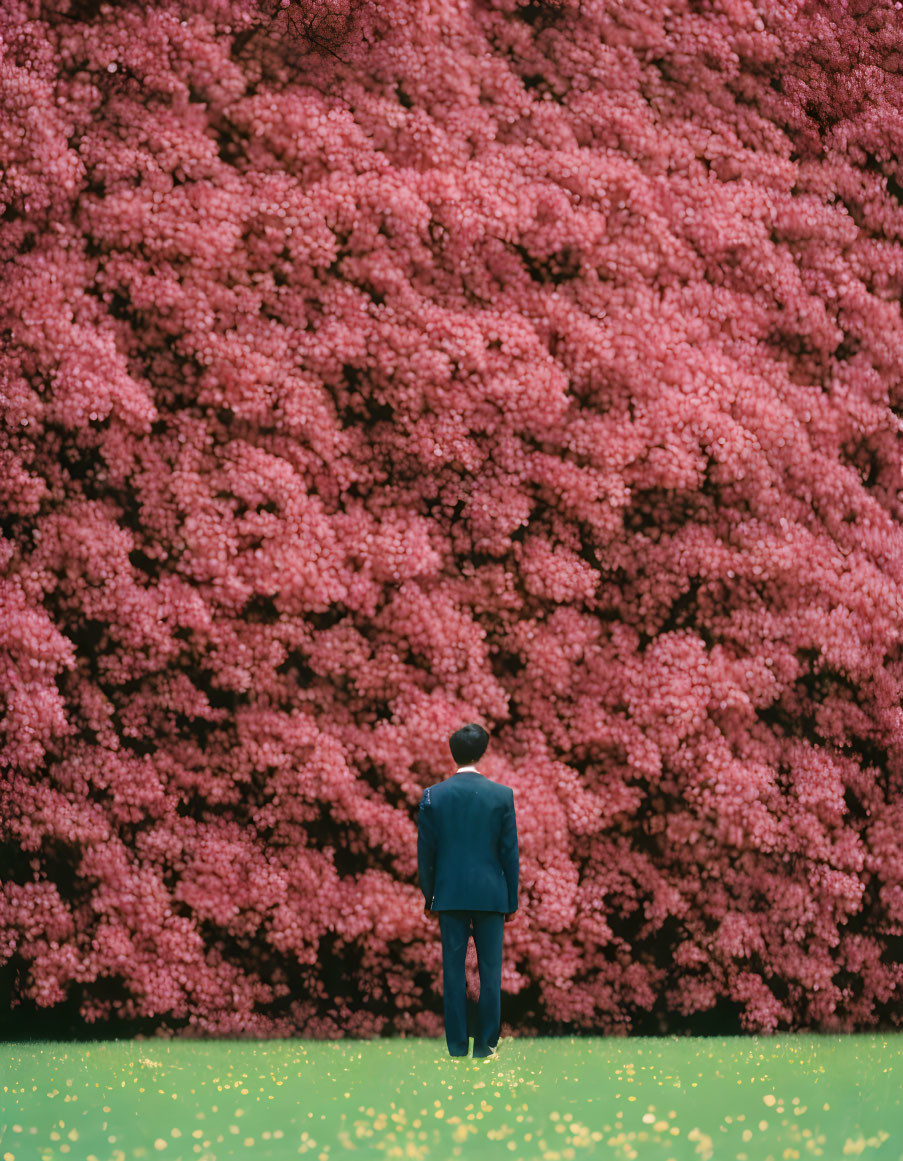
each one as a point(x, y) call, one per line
point(365, 371)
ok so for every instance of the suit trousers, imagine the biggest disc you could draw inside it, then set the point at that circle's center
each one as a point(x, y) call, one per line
point(455, 929)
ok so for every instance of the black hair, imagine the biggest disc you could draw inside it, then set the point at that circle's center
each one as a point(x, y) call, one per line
point(468, 744)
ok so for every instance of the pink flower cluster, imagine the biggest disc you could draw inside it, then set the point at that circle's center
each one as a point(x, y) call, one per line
point(368, 369)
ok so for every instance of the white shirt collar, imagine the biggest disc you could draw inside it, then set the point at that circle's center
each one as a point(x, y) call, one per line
point(460, 768)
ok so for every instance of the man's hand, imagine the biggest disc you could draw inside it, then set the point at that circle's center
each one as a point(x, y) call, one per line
point(428, 912)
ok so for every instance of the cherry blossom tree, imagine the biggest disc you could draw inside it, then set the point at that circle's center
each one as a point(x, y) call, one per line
point(368, 368)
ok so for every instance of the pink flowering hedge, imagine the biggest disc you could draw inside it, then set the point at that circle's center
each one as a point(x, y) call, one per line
point(369, 368)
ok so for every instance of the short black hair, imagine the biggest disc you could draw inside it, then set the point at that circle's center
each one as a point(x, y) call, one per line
point(468, 744)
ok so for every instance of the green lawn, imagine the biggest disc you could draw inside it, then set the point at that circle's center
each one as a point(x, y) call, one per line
point(730, 1099)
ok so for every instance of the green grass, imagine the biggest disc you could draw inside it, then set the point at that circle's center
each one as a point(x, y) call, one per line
point(729, 1099)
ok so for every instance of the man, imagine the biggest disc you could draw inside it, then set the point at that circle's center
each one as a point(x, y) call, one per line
point(467, 864)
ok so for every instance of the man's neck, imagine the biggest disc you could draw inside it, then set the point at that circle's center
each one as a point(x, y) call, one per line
point(460, 768)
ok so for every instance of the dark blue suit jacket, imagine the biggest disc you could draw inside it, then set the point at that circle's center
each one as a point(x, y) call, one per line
point(467, 845)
